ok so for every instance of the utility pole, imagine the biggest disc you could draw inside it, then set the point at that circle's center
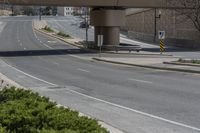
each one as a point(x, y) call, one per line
point(40, 13)
point(86, 25)
point(155, 22)
point(12, 8)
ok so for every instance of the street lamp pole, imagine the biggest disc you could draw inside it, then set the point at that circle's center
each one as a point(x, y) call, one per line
point(86, 23)
point(155, 23)
point(40, 13)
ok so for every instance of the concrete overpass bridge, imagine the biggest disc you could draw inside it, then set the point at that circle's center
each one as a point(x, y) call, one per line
point(106, 16)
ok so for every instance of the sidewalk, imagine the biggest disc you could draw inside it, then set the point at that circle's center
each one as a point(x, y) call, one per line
point(160, 62)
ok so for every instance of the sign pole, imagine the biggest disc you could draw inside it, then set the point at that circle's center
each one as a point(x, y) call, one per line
point(161, 37)
point(100, 43)
point(100, 51)
point(162, 46)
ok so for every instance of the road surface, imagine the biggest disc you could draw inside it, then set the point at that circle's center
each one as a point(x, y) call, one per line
point(169, 95)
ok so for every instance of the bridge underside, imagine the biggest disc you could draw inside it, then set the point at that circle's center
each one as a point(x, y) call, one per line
point(95, 3)
point(107, 15)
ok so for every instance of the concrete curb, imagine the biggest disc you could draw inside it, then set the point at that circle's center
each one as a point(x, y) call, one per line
point(147, 66)
point(8, 82)
point(61, 39)
point(138, 53)
point(183, 64)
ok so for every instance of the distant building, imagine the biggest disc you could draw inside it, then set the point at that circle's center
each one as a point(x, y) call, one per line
point(65, 11)
point(79, 10)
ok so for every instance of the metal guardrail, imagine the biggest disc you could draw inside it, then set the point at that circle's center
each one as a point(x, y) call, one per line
point(123, 47)
point(127, 48)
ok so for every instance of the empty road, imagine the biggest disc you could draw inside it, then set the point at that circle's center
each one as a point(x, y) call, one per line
point(172, 96)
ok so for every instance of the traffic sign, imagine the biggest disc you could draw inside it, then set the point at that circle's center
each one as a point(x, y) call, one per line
point(161, 35)
point(100, 40)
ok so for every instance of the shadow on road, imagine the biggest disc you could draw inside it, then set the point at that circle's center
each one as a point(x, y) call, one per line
point(43, 52)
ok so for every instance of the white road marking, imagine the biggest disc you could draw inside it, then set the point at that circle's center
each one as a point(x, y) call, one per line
point(31, 75)
point(24, 48)
point(56, 63)
point(83, 70)
point(52, 41)
point(41, 41)
point(116, 105)
point(47, 46)
point(79, 57)
point(142, 81)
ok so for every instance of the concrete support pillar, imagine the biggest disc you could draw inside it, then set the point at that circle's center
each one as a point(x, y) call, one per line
point(107, 22)
point(111, 34)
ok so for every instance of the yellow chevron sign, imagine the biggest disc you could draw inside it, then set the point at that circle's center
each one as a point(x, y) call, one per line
point(162, 46)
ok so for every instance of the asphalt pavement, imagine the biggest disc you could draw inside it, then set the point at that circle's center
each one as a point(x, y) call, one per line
point(132, 99)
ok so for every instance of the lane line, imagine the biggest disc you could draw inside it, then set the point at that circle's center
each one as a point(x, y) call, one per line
point(116, 105)
point(41, 41)
point(142, 81)
point(30, 75)
point(83, 70)
point(47, 46)
point(78, 57)
point(52, 41)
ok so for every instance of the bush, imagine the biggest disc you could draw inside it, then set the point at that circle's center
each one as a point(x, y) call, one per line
point(22, 111)
point(62, 34)
point(48, 29)
point(2, 130)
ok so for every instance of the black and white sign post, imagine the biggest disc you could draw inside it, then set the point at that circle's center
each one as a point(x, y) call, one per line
point(100, 43)
point(161, 37)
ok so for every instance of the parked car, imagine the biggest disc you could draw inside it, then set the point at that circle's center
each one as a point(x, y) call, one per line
point(83, 25)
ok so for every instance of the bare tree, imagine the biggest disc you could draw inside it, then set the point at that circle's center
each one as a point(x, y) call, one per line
point(191, 10)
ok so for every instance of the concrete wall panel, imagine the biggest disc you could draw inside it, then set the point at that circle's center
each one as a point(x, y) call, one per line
point(142, 3)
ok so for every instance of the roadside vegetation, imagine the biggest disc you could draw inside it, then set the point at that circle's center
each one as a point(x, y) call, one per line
point(22, 111)
point(189, 61)
point(46, 28)
point(62, 34)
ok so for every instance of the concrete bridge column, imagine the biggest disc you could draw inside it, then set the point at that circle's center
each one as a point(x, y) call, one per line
point(107, 22)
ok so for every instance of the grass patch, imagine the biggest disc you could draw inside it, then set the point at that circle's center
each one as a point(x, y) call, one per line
point(22, 111)
point(62, 34)
point(46, 28)
point(189, 61)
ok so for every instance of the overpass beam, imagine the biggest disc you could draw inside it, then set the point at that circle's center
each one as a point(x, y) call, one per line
point(107, 22)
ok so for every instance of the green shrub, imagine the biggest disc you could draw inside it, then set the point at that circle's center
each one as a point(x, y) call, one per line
point(196, 61)
point(62, 34)
point(189, 61)
point(54, 131)
point(46, 28)
point(13, 94)
point(22, 111)
point(2, 130)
